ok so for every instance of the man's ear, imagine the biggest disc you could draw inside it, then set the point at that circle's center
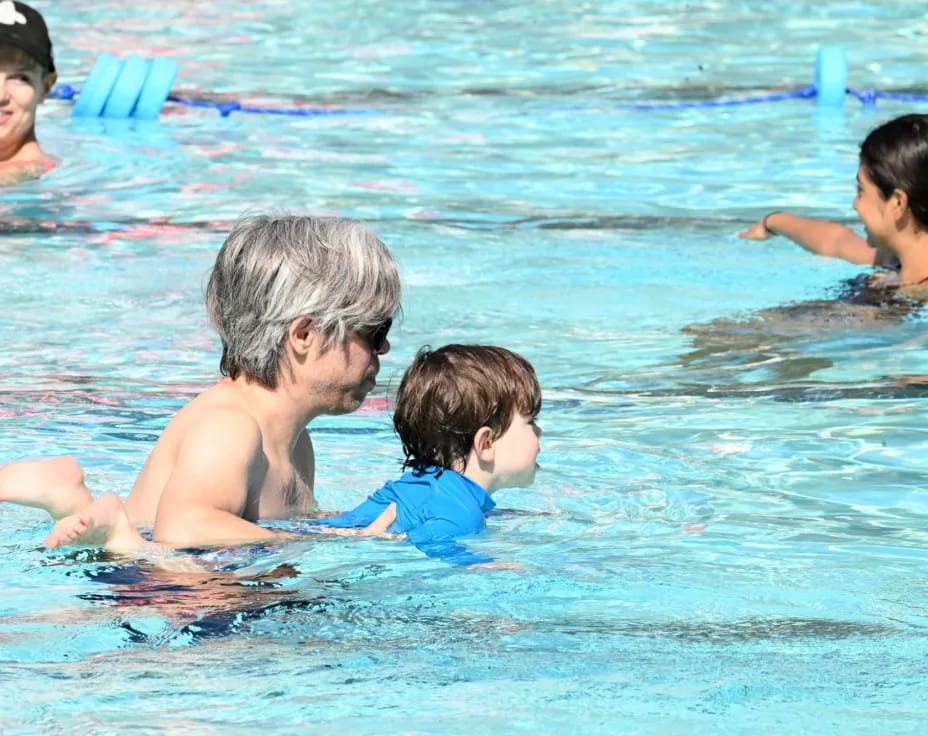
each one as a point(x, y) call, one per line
point(301, 335)
point(484, 448)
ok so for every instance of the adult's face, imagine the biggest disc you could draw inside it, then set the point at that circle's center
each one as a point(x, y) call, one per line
point(344, 374)
point(22, 87)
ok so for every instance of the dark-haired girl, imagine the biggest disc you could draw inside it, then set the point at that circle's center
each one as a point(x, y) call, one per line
point(891, 202)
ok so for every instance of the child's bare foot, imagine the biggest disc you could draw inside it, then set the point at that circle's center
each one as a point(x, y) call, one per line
point(102, 524)
point(56, 485)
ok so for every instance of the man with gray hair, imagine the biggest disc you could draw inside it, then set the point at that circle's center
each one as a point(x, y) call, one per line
point(303, 307)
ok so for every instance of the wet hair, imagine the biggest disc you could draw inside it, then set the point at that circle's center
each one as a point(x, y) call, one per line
point(274, 269)
point(447, 394)
point(895, 156)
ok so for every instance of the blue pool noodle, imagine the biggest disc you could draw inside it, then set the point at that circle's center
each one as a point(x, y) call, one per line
point(157, 87)
point(830, 76)
point(127, 88)
point(97, 88)
point(118, 89)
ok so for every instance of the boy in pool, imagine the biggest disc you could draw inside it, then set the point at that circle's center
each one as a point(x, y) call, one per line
point(465, 415)
point(891, 201)
point(27, 75)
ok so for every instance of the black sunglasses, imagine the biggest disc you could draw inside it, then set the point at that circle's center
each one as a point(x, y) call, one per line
point(377, 336)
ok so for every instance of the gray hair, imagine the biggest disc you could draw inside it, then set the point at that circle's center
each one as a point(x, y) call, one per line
point(274, 269)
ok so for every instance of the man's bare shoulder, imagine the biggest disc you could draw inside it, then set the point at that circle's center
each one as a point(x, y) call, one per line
point(214, 430)
point(218, 412)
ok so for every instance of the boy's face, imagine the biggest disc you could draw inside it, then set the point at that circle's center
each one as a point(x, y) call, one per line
point(23, 85)
point(516, 454)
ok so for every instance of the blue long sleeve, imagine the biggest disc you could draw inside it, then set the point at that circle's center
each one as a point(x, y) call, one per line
point(433, 508)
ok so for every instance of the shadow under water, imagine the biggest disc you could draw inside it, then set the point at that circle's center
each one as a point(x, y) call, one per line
point(792, 341)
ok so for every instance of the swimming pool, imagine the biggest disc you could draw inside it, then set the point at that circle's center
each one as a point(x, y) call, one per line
point(726, 535)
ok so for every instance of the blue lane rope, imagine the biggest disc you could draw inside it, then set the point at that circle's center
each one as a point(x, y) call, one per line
point(227, 108)
point(865, 96)
point(67, 92)
point(870, 96)
point(138, 88)
point(802, 93)
point(63, 92)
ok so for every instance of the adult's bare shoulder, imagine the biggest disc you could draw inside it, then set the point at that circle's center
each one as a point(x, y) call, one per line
point(226, 432)
point(214, 423)
point(209, 493)
point(218, 459)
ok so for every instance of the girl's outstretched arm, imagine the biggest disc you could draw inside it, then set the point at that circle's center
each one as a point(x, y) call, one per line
point(824, 237)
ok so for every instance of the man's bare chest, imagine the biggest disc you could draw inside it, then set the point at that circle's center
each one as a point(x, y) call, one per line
point(283, 494)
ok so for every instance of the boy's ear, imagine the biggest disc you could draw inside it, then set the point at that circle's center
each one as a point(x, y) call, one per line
point(483, 444)
point(300, 335)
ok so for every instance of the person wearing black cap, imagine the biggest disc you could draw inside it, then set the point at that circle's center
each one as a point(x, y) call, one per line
point(27, 75)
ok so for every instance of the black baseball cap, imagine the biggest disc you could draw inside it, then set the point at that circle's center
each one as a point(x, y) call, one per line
point(23, 27)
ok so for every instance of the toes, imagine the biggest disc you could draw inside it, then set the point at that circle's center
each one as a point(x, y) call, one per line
point(65, 533)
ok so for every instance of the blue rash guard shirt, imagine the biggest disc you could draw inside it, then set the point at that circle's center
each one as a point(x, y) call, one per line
point(433, 508)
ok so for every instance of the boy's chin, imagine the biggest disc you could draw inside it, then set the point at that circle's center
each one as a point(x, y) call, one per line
point(528, 479)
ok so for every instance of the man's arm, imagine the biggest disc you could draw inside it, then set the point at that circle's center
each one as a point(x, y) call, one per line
point(823, 237)
point(219, 469)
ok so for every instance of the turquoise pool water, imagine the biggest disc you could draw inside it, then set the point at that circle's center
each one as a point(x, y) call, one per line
point(728, 534)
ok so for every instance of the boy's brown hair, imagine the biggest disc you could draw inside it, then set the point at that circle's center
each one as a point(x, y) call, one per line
point(447, 394)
